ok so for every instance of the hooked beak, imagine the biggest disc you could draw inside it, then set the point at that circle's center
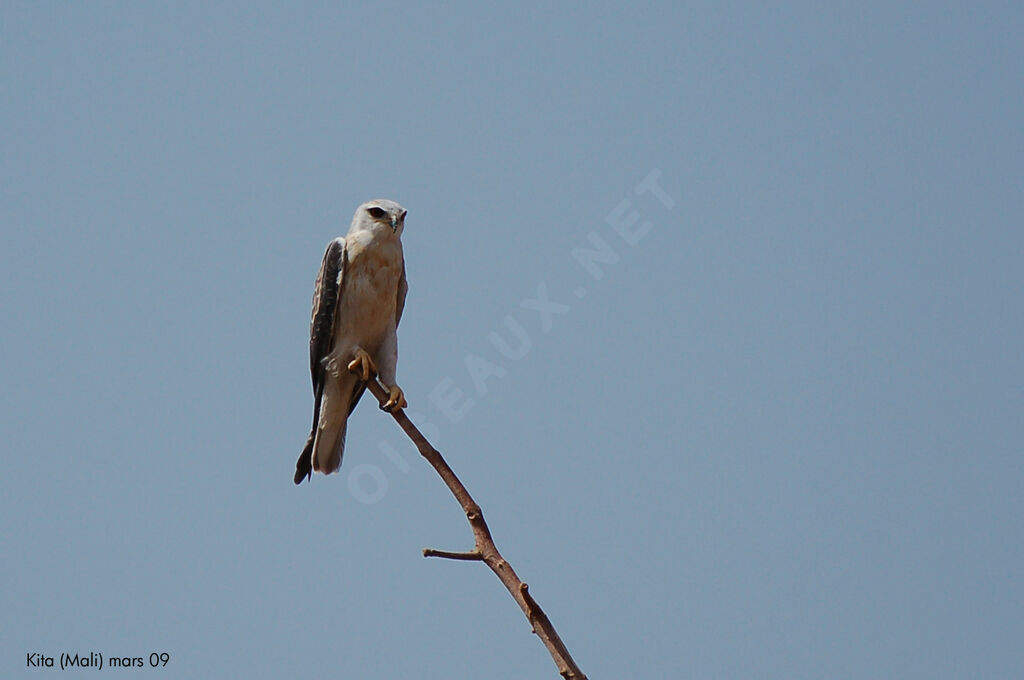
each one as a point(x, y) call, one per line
point(398, 219)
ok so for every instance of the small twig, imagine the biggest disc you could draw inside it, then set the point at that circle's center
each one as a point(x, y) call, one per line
point(472, 555)
point(484, 549)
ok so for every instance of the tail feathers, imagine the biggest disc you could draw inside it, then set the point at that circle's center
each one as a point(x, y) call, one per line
point(322, 454)
point(329, 447)
point(326, 442)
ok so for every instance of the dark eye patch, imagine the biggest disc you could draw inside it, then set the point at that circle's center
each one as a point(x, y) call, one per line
point(376, 212)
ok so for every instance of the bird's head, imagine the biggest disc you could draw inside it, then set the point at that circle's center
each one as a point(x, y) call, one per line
point(380, 215)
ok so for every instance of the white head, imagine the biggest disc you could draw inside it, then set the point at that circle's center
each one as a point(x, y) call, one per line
point(381, 216)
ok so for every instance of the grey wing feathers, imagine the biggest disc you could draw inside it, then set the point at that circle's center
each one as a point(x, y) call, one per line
point(321, 335)
point(325, 302)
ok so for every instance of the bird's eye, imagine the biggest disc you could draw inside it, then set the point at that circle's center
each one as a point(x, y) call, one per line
point(376, 213)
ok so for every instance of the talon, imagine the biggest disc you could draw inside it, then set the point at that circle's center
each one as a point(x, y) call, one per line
point(396, 399)
point(362, 363)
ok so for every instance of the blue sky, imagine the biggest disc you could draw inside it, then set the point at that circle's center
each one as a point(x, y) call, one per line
point(777, 433)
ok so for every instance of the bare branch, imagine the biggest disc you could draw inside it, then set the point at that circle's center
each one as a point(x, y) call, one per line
point(484, 549)
point(472, 555)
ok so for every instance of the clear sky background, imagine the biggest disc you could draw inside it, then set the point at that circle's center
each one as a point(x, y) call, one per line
point(779, 437)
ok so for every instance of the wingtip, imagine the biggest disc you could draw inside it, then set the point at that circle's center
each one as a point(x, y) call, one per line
point(304, 465)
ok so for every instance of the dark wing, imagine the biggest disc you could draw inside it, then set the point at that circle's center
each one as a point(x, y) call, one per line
point(403, 288)
point(325, 302)
point(321, 335)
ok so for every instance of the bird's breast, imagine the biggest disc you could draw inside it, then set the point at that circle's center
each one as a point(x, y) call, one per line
point(369, 294)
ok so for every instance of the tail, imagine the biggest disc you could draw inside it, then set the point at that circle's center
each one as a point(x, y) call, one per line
point(329, 441)
point(326, 443)
point(330, 446)
point(322, 453)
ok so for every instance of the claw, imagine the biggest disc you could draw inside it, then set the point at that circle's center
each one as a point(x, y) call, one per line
point(364, 364)
point(396, 399)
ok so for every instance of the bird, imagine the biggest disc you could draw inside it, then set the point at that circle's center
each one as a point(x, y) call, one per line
point(358, 300)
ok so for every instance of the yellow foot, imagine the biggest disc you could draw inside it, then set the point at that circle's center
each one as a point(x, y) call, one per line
point(396, 400)
point(363, 365)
